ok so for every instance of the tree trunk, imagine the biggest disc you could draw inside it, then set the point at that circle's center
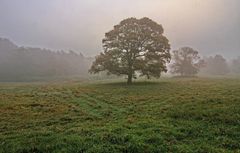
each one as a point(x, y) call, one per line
point(130, 70)
point(129, 81)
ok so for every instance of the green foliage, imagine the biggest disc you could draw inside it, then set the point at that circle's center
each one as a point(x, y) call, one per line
point(134, 46)
point(172, 115)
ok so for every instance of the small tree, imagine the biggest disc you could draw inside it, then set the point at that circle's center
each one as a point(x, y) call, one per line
point(187, 62)
point(135, 45)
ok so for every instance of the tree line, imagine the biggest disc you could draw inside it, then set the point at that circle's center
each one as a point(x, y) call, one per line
point(25, 63)
point(188, 62)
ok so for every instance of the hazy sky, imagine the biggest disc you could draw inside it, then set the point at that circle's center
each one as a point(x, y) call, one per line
point(210, 26)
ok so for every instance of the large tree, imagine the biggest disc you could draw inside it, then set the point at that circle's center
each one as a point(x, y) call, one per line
point(187, 62)
point(135, 46)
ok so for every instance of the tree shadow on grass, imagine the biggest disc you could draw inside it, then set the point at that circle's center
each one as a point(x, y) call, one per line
point(136, 83)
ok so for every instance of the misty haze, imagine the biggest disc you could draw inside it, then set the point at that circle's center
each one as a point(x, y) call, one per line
point(139, 76)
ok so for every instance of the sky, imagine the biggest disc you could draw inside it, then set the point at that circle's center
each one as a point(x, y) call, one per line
point(209, 26)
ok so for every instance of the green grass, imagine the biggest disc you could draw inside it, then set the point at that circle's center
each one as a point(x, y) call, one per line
point(170, 115)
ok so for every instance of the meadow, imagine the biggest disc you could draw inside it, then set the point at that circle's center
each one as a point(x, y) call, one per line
point(166, 115)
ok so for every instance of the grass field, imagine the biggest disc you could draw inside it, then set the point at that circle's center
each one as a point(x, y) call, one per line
point(170, 115)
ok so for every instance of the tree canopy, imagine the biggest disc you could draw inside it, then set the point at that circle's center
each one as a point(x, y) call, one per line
point(135, 46)
point(187, 62)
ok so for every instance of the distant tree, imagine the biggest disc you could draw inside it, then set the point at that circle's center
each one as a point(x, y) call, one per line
point(187, 62)
point(134, 46)
point(216, 65)
point(236, 65)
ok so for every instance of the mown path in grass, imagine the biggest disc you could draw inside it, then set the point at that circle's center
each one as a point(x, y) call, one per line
point(97, 107)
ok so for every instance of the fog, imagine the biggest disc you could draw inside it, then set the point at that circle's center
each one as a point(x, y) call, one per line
point(209, 26)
